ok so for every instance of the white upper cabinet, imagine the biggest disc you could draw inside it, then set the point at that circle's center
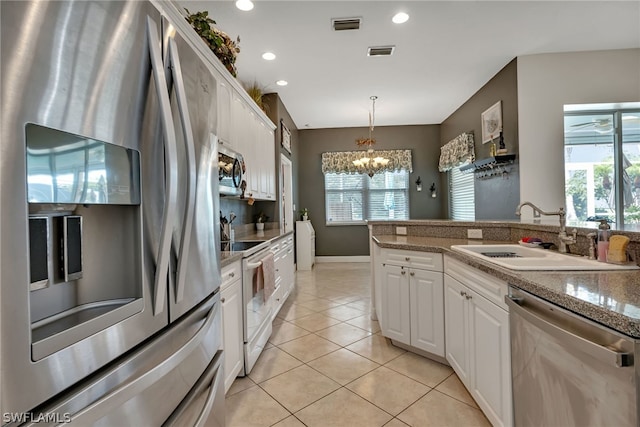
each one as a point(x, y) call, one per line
point(224, 114)
point(241, 128)
point(245, 129)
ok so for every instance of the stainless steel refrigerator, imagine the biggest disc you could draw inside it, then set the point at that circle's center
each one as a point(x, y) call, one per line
point(110, 311)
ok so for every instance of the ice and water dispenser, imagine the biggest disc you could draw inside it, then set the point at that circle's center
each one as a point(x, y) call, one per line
point(84, 235)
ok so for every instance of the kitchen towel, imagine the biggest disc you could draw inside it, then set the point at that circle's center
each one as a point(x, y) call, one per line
point(268, 272)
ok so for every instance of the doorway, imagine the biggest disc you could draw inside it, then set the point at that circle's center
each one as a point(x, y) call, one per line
point(286, 193)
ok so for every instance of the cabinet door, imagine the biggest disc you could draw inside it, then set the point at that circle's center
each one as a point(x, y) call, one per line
point(231, 299)
point(456, 329)
point(490, 358)
point(396, 320)
point(269, 162)
point(224, 114)
point(254, 153)
point(427, 311)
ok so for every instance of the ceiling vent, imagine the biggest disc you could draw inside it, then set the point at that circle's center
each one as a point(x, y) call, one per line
point(380, 50)
point(343, 24)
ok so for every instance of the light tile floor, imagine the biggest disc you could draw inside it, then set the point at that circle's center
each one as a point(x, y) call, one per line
point(326, 364)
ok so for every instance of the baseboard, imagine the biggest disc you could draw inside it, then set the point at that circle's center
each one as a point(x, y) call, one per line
point(357, 258)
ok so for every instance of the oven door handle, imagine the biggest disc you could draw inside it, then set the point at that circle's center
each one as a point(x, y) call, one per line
point(171, 169)
point(187, 131)
point(252, 265)
point(574, 341)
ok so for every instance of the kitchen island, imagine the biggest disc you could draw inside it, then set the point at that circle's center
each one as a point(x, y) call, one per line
point(611, 298)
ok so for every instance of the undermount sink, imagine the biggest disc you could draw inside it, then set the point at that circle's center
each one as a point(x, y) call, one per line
point(516, 257)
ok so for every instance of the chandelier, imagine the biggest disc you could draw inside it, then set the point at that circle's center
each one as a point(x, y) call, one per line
point(370, 163)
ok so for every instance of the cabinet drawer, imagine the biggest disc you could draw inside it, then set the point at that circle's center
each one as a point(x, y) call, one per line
point(484, 284)
point(231, 273)
point(415, 259)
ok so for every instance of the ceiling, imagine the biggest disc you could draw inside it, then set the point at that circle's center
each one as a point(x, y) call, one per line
point(445, 53)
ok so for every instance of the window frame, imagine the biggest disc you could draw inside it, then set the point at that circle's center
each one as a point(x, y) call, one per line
point(468, 179)
point(366, 191)
point(617, 142)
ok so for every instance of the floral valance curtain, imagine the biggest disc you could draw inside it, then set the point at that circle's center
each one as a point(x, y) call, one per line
point(457, 152)
point(342, 161)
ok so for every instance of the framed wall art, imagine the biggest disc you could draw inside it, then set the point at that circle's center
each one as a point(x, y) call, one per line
point(492, 122)
point(285, 136)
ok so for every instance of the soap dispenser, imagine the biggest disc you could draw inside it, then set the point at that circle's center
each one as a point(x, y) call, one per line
point(604, 230)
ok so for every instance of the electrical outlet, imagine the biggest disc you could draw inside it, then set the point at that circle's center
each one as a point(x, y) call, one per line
point(401, 231)
point(474, 233)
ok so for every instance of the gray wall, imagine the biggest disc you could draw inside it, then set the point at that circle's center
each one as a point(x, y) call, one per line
point(423, 140)
point(497, 197)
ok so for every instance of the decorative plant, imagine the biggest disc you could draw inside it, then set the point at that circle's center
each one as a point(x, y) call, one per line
point(218, 41)
point(304, 213)
point(256, 91)
point(261, 217)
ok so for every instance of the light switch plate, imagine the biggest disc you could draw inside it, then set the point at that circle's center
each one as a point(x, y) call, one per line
point(401, 231)
point(474, 233)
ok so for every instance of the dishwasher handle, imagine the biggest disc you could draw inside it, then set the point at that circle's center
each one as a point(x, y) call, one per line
point(604, 354)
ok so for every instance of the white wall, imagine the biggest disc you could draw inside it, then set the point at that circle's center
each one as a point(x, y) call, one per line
point(545, 84)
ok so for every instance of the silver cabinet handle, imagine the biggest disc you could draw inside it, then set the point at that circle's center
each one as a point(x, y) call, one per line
point(222, 300)
point(171, 169)
point(187, 131)
point(403, 272)
point(462, 293)
point(412, 273)
point(604, 354)
point(468, 296)
point(232, 274)
point(407, 258)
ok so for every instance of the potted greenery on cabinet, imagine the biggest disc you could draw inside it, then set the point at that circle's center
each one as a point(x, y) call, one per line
point(218, 41)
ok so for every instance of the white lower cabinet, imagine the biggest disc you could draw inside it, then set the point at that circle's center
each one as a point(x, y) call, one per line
point(412, 301)
point(231, 299)
point(477, 338)
point(282, 250)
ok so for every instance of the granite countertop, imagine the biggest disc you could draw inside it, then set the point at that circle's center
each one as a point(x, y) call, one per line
point(228, 257)
point(611, 298)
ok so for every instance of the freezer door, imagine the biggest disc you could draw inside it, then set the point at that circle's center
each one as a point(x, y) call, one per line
point(195, 269)
point(179, 368)
point(81, 69)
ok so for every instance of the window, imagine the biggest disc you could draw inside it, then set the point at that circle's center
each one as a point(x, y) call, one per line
point(354, 198)
point(462, 204)
point(602, 166)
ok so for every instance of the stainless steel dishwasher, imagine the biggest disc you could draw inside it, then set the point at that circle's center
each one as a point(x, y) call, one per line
point(568, 370)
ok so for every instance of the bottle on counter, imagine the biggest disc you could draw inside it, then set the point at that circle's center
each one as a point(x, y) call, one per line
point(604, 232)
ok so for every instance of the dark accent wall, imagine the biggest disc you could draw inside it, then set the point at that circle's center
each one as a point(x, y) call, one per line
point(352, 240)
point(496, 197)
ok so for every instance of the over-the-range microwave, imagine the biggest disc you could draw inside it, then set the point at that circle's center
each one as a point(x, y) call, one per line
point(230, 171)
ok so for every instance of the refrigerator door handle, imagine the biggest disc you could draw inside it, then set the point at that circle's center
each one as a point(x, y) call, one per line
point(572, 340)
point(212, 379)
point(171, 169)
point(122, 394)
point(211, 397)
point(187, 224)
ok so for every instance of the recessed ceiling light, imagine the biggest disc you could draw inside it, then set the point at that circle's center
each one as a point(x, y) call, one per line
point(269, 56)
point(245, 5)
point(282, 82)
point(400, 18)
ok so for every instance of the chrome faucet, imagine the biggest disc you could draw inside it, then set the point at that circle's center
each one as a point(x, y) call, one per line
point(564, 238)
